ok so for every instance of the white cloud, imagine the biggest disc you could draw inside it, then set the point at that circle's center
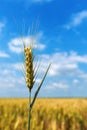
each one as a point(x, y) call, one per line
point(76, 19)
point(11, 82)
point(75, 81)
point(64, 64)
point(10, 77)
point(16, 44)
point(65, 69)
point(38, 81)
point(57, 85)
point(60, 85)
point(4, 55)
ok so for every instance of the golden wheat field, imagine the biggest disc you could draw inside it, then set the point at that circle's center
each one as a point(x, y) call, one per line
point(47, 114)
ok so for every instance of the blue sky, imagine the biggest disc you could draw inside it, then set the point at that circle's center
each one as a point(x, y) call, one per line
point(61, 38)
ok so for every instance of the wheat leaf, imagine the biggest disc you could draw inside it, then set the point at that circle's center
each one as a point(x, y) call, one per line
point(37, 91)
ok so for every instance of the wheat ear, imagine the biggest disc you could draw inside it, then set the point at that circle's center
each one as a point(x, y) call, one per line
point(29, 67)
point(30, 76)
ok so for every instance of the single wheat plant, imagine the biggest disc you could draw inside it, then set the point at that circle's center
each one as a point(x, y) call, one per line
point(30, 75)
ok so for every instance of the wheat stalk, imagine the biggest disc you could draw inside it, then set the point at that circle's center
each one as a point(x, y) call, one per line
point(30, 75)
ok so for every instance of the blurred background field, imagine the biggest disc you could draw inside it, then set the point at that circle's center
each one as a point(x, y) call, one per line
point(47, 114)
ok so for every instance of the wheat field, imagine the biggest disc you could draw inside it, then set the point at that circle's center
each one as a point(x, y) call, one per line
point(47, 114)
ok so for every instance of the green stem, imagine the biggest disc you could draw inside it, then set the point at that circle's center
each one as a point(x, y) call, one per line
point(29, 110)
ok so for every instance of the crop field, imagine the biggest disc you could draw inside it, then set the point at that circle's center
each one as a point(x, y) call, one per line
point(47, 114)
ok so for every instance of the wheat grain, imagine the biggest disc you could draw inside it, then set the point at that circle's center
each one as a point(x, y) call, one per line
point(29, 67)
